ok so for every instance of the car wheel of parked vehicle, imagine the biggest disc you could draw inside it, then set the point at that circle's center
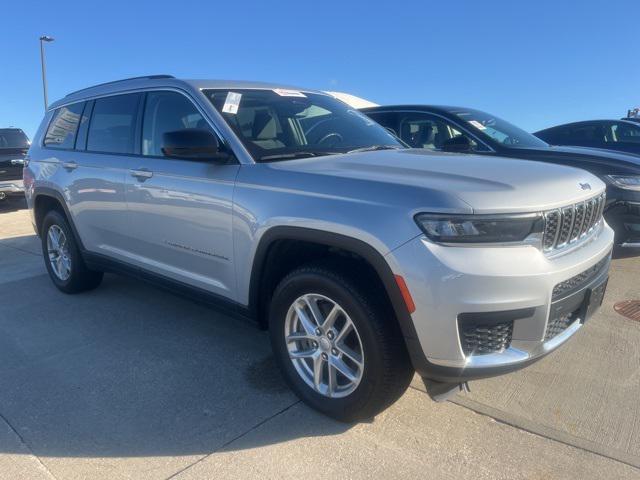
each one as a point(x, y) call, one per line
point(339, 348)
point(62, 256)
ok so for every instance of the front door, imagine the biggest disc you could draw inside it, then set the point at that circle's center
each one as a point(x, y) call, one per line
point(180, 210)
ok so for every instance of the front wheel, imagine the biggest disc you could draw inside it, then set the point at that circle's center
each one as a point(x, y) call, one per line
point(340, 350)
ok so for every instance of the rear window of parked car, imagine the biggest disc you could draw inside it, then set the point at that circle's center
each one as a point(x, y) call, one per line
point(13, 138)
point(113, 124)
point(63, 127)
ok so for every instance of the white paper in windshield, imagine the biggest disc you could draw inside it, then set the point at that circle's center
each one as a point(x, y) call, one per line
point(232, 103)
point(283, 92)
point(477, 124)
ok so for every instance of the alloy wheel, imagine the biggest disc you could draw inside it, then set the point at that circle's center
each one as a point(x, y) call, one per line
point(324, 345)
point(58, 251)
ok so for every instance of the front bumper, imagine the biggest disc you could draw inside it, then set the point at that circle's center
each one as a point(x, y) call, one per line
point(624, 218)
point(453, 285)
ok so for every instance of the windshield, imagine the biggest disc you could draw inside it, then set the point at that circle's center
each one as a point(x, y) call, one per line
point(286, 124)
point(13, 138)
point(498, 130)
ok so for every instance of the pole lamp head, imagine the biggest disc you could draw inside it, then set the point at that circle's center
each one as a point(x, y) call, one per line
point(46, 38)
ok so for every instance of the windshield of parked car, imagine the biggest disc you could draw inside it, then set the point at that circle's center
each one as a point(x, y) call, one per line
point(498, 130)
point(13, 138)
point(284, 124)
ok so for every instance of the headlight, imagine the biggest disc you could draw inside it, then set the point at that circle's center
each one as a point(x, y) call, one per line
point(629, 182)
point(481, 228)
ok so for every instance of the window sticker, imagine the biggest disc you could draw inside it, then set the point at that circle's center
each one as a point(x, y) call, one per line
point(477, 124)
point(232, 103)
point(283, 92)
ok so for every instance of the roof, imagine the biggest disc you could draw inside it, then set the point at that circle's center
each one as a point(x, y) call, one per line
point(136, 83)
point(417, 106)
point(352, 100)
point(630, 121)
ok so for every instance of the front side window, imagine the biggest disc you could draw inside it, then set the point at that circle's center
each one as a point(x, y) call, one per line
point(586, 133)
point(167, 112)
point(624, 133)
point(63, 127)
point(284, 124)
point(498, 130)
point(113, 124)
point(432, 133)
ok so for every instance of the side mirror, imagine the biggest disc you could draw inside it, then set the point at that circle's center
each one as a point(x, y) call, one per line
point(191, 143)
point(459, 144)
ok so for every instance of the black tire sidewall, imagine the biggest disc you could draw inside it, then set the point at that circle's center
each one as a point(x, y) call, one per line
point(302, 283)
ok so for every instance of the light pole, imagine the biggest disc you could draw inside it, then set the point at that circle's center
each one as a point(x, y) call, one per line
point(44, 38)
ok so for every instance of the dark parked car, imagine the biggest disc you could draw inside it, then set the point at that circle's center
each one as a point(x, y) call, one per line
point(14, 145)
point(455, 129)
point(621, 135)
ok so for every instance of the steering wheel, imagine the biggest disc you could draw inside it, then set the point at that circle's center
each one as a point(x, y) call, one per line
point(339, 138)
point(313, 127)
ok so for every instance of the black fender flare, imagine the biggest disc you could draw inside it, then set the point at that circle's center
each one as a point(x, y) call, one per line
point(363, 249)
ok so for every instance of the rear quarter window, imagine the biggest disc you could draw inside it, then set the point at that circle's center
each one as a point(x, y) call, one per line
point(64, 126)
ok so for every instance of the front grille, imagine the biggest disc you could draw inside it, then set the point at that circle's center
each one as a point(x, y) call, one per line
point(483, 339)
point(577, 281)
point(570, 224)
point(555, 326)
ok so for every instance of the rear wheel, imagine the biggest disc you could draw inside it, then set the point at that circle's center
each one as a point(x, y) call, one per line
point(338, 346)
point(62, 256)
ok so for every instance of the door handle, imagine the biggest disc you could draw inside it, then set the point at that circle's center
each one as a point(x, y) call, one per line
point(142, 174)
point(17, 161)
point(69, 165)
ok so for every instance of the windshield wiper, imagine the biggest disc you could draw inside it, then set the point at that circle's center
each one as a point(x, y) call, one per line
point(285, 156)
point(372, 148)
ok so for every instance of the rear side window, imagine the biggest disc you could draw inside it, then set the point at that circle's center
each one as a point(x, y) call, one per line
point(113, 124)
point(63, 127)
point(167, 112)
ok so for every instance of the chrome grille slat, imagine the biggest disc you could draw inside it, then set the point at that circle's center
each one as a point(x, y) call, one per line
point(569, 224)
point(579, 220)
point(551, 229)
point(588, 213)
point(568, 215)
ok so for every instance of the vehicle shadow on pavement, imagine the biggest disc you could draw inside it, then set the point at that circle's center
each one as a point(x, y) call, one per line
point(130, 370)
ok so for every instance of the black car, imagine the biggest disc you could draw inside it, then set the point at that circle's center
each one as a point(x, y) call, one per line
point(14, 145)
point(454, 129)
point(620, 135)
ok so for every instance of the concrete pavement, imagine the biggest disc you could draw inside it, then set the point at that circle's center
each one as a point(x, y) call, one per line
point(129, 381)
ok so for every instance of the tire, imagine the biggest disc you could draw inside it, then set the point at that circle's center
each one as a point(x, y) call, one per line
point(70, 275)
point(385, 371)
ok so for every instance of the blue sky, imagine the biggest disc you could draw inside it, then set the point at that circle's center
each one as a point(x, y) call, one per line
point(536, 64)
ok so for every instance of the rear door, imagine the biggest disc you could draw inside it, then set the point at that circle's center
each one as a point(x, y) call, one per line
point(181, 210)
point(623, 136)
point(97, 169)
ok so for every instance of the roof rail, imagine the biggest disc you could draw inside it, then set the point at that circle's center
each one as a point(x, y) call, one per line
point(151, 77)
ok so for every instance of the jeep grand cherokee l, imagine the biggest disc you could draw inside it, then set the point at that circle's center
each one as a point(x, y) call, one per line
point(365, 260)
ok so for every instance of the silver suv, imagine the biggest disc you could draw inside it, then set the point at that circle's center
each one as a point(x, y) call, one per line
point(367, 261)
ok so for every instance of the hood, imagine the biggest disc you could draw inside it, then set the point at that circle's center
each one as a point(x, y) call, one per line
point(594, 153)
point(485, 184)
